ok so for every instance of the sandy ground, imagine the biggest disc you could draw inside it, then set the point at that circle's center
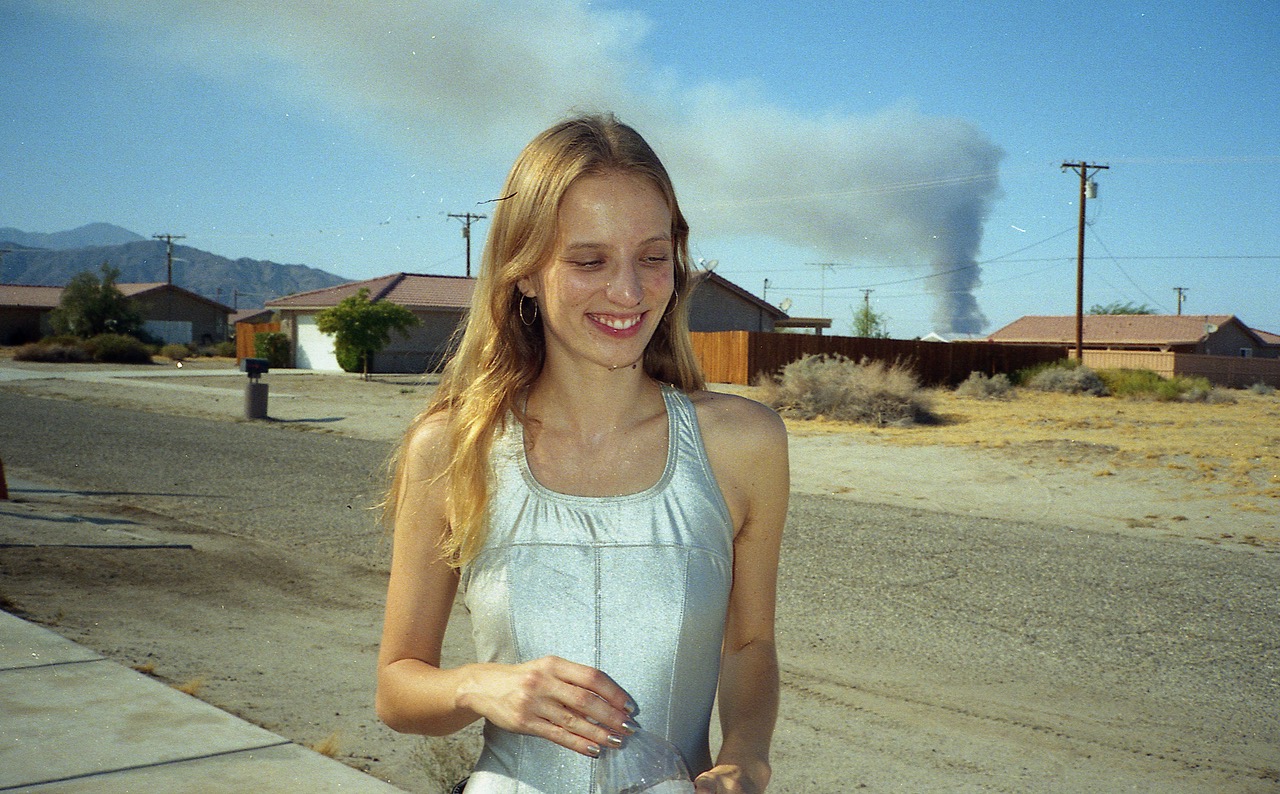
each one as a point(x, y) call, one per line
point(1055, 479)
point(1051, 483)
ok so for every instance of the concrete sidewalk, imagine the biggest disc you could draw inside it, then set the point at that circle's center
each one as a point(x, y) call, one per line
point(74, 721)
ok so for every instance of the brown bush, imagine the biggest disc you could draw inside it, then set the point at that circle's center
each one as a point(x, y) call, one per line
point(835, 387)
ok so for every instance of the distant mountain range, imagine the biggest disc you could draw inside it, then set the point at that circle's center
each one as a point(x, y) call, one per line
point(52, 259)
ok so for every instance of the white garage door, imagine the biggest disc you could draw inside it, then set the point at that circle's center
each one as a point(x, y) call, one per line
point(315, 350)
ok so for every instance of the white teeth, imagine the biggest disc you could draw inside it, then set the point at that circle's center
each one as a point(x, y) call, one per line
point(617, 323)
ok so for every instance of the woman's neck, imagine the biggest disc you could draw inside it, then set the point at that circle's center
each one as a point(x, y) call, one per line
point(588, 406)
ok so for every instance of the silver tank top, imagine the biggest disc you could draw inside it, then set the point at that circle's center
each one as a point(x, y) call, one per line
point(636, 586)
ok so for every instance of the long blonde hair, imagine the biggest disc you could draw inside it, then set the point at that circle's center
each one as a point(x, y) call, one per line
point(499, 355)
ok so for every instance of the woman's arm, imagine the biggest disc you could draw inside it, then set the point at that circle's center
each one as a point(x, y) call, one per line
point(550, 697)
point(747, 444)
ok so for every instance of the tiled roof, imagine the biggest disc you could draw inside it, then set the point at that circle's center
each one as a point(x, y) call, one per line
point(251, 316)
point(411, 290)
point(1267, 336)
point(1114, 329)
point(22, 295)
point(28, 297)
point(131, 290)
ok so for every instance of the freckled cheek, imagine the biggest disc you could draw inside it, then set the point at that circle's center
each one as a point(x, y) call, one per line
point(659, 283)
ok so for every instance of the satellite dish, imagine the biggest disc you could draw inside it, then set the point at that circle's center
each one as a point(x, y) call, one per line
point(708, 266)
point(1210, 328)
point(785, 305)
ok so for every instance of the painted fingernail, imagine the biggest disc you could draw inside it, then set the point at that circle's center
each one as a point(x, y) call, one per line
point(593, 750)
point(630, 726)
point(631, 706)
point(614, 740)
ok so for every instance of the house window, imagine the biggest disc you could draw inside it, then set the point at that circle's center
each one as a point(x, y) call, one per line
point(1246, 352)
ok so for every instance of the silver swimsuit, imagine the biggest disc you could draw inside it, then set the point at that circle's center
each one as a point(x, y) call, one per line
point(636, 586)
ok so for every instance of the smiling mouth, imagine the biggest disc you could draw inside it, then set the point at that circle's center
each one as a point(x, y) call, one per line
point(617, 323)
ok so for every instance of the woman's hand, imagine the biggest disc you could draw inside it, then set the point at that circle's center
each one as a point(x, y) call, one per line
point(573, 705)
point(728, 779)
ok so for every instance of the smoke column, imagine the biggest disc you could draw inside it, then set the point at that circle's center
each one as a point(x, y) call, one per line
point(470, 81)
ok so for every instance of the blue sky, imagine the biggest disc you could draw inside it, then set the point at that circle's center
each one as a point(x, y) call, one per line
point(915, 150)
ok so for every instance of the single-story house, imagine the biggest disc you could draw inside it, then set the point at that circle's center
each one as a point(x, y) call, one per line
point(720, 305)
point(1200, 334)
point(24, 312)
point(174, 314)
point(169, 313)
point(441, 302)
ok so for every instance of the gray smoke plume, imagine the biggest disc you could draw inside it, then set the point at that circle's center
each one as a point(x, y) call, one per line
point(470, 81)
point(895, 188)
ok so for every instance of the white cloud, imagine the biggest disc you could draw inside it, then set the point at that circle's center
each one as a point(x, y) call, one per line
point(474, 79)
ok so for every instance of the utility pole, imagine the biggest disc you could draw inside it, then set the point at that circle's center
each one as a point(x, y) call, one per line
point(467, 219)
point(1182, 292)
point(1086, 188)
point(168, 239)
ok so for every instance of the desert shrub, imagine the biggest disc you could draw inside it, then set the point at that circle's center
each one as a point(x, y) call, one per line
point(1139, 383)
point(835, 387)
point(1214, 396)
point(117, 349)
point(1023, 377)
point(52, 352)
point(1075, 379)
point(1262, 389)
point(176, 352)
point(61, 339)
point(1145, 384)
point(980, 387)
point(224, 349)
point(274, 347)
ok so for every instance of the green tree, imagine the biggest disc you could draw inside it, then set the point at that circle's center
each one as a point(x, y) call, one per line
point(1116, 307)
point(870, 324)
point(361, 327)
point(93, 305)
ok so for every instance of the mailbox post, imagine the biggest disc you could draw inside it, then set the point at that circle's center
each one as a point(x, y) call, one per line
point(255, 391)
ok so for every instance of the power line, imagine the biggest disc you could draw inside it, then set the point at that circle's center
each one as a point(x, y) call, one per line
point(1123, 272)
point(824, 267)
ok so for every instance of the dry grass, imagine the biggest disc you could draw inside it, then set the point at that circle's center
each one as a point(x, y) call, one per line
point(192, 687)
point(329, 746)
point(1235, 445)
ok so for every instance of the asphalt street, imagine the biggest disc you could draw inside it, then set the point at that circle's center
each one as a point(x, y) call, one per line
point(943, 652)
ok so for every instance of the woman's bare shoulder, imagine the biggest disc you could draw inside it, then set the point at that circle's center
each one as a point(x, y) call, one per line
point(731, 417)
point(426, 441)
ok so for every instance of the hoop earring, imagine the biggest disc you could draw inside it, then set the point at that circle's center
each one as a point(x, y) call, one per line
point(675, 301)
point(520, 310)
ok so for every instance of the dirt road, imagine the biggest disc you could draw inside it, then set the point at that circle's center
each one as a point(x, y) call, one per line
point(922, 650)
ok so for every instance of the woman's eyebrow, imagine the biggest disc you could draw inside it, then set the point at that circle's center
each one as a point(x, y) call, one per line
point(588, 245)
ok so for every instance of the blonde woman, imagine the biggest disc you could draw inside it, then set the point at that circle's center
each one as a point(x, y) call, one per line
point(614, 526)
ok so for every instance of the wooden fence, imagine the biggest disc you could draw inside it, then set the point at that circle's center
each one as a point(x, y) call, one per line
point(244, 337)
point(1232, 371)
point(739, 356)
